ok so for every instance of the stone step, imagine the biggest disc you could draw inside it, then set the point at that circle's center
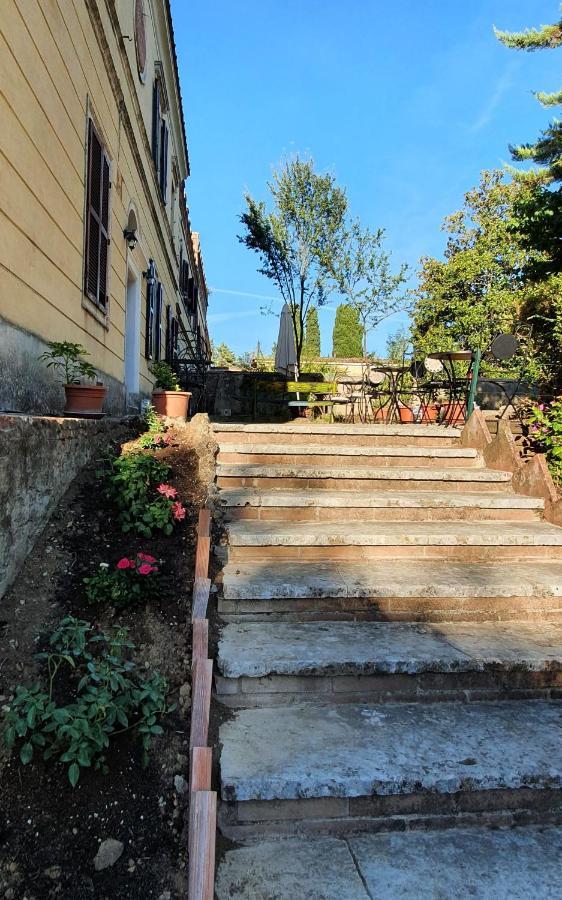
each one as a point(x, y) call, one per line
point(327, 454)
point(429, 591)
point(352, 766)
point(354, 541)
point(340, 434)
point(363, 478)
point(482, 863)
point(365, 506)
point(272, 664)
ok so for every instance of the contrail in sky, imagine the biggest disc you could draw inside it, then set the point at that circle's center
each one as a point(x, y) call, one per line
point(243, 294)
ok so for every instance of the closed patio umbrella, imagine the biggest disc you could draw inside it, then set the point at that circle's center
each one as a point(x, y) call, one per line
point(286, 353)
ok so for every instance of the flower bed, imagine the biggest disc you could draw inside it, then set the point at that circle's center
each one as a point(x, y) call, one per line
point(128, 594)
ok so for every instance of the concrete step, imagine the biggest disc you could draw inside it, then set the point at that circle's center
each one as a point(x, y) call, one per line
point(328, 454)
point(332, 662)
point(338, 433)
point(356, 542)
point(363, 478)
point(428, 591)
point(482, 863)
point(350, 766)
point(376, 506)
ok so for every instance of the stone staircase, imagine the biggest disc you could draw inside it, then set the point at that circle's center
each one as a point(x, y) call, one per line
point(371, 572)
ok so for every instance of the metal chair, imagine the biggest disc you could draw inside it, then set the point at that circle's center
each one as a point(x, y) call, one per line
point(505, 347)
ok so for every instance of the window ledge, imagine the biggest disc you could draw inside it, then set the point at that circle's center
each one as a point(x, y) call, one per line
point(101, 316)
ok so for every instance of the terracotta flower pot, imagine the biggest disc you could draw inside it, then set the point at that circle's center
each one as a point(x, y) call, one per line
point(406, 415)
point(429, 413)
point(380, 414)
point(454, 413)
point(84, 400)
point(174, 404)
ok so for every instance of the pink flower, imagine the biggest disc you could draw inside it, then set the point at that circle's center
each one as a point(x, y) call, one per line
point(178, 511)
point(124, 563)
point(147, 557)
point(167, 491)
point(146, 569)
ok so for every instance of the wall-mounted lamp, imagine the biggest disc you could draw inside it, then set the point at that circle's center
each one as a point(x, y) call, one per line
point(131, 237)
point(150, 273)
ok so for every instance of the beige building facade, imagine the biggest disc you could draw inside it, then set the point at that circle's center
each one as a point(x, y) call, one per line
point(95, 239)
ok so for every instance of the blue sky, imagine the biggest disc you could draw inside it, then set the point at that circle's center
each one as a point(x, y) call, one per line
point(404, 102)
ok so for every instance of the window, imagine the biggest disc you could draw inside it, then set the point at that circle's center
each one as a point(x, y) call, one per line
point(172, 328)
point(160, 138)
point(149, 334)
point(96, 249)
point(153, 334)
point(158, 321)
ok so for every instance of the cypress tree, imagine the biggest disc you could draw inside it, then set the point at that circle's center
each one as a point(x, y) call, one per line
point(311, 343)
point(347, 336)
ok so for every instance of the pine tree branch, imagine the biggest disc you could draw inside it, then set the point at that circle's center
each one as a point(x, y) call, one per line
point(545, 37)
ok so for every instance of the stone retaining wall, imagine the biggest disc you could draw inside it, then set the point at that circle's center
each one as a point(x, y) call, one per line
point(39, 457)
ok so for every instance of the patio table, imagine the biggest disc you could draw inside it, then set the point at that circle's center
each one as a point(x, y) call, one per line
point(394, 373)
point(458, 388)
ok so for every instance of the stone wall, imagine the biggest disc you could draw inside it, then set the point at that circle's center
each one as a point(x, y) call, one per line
point(39, 457)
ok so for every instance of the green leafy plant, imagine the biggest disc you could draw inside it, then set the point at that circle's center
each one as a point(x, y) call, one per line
point(137, 484)
point(92, 693)
point(164, 377)
point(67, 361)
point(544, 423)
point(156, 435)
point(132, 580)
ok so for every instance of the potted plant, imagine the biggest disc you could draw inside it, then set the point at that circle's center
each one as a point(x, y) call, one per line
point(67, 361)
point(167, 397)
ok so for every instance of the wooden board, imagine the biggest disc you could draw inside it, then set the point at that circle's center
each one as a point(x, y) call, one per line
point(199, 780)
point(202, 845)
point(204, 529)
point(201, 685)
point(201, 589)
point(202, 557)
point(200, 639)
point(201, 769)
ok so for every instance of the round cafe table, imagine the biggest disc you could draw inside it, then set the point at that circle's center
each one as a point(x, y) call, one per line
point(457, 388)
point(394, 374)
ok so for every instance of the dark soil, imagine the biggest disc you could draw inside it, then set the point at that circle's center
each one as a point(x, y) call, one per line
point(49, 832)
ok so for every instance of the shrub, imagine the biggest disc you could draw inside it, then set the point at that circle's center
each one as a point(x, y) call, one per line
point(143, 507)
point(544, 423)
point(156, 435)
point(93, 693)
point(131, 581)
point(164, 377)
point(66, 359)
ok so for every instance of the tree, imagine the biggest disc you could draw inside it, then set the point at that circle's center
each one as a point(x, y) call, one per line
point(347, 335)
point(475, 292)
point(362, 271)
point(311, 342)
point(539, 211)
point(547, 150)
point(397, 345)
point(222, 355)
point(297, 239)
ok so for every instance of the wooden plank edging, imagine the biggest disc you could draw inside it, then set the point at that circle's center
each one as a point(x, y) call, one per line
point(201, 702)
point(199, 780)
point(200, 640)
point(201, 590)
point(202, 557)
point(202, 801)
point(202, 856)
